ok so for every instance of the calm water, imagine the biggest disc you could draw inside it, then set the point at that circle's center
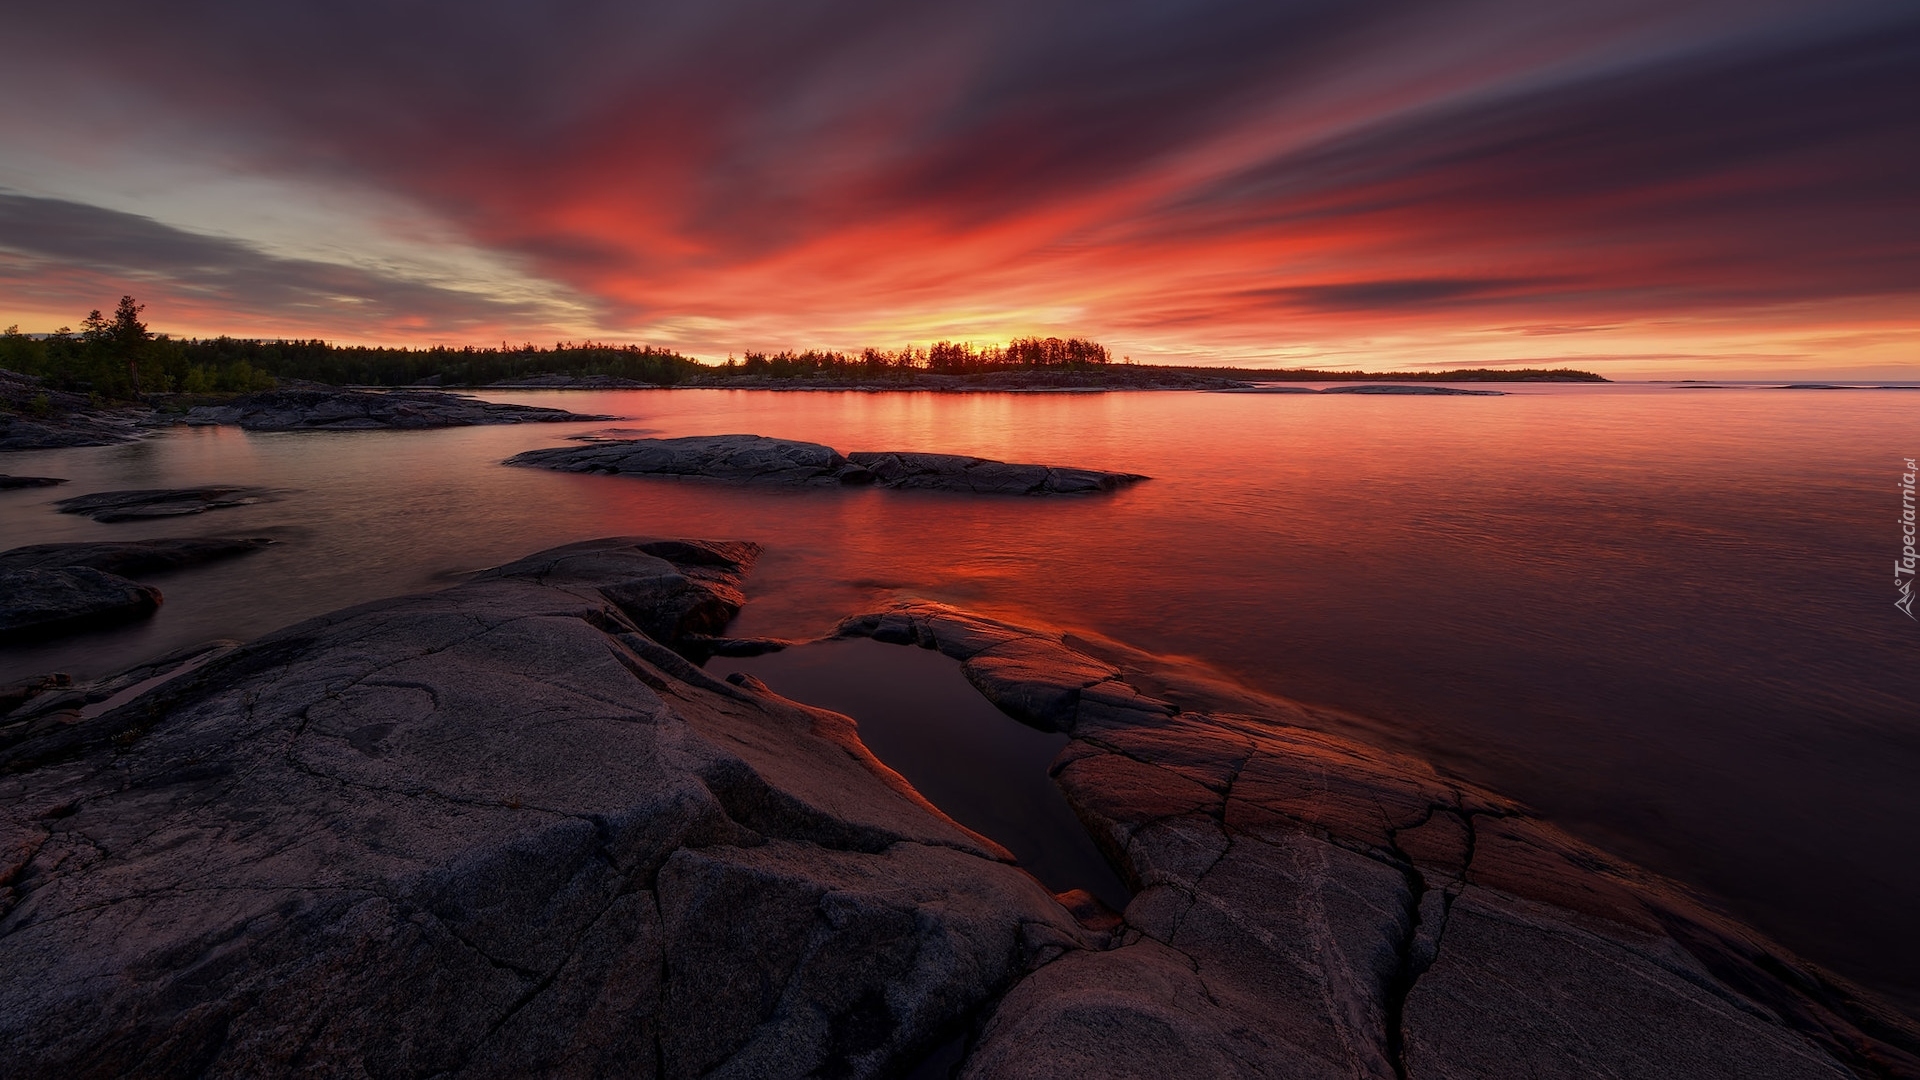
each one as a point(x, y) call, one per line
point(1664, 617)
point(922, 717)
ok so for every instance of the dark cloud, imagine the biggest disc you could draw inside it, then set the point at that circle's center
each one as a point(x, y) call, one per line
point(1782, 165)
point(120, 252)
point(1318, 156)
point(1392, 295)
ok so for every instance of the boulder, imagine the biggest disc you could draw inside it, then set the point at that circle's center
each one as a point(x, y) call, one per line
point(107, 506)
point(132, 558)
point(502, 830)
point(44, 603)
point(756, 459)
point(315, 409)
point(1306, 905)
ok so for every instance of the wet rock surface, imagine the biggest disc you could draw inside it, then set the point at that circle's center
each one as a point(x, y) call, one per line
point(110, 506)
point(500, 830)
point(131, 558)
point(756, 459)
point(367, 410)
point(45, 603)
point(1309, 906)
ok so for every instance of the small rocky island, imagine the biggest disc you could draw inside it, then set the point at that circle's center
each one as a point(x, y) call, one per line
point(328, 409)
point(143, 503)
point(15, 483)
point(511, 829)
point(756, 459)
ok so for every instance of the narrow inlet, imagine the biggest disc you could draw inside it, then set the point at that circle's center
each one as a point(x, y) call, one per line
point(984, 769)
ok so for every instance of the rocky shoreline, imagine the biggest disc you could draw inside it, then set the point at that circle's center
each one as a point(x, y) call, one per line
point(512, 829)
point(758, 460)
point(33, 417)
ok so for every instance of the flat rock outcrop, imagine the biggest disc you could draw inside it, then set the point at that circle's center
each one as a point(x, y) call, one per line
point(48, 590)
point(13, 483)
point(1309, 906)
point(756, 459)
point(310, 409)
point(500, 830)
point(48, 602)
point(131, 558)
point(139, 505)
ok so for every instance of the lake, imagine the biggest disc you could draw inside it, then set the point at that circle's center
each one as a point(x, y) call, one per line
point(1662, 616)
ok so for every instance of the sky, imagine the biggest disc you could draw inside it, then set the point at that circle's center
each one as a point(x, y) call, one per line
point(1670, 189)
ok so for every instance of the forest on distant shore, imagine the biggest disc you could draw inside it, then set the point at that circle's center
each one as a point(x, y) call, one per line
point(117, 358)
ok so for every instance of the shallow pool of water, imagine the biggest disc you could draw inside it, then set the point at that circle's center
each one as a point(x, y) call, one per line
point(987, 771)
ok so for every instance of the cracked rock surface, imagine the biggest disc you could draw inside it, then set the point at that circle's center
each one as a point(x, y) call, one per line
point(1309, 906)
point(361, 410)
point(756, 459)
point(500, 830)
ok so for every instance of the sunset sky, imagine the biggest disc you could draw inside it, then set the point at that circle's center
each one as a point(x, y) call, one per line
point(1670, 188)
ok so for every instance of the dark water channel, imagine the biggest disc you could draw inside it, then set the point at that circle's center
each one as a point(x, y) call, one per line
point(987, 771)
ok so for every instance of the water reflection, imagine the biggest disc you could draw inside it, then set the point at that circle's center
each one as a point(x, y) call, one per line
point(1663, 618)
point(918, 713)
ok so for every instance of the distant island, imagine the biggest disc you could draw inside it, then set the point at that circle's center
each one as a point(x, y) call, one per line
point(115, 358)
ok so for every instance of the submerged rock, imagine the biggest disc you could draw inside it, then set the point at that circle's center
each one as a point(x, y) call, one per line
point(11, 483)
point(360, 410)
point(501, 830)
point(1306, 905)
point(48, 602)
point(756, 459)
point(108, 506)
point(131, 558)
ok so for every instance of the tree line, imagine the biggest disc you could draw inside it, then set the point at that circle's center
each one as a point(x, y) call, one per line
point(940, 358)
point(116, 357)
